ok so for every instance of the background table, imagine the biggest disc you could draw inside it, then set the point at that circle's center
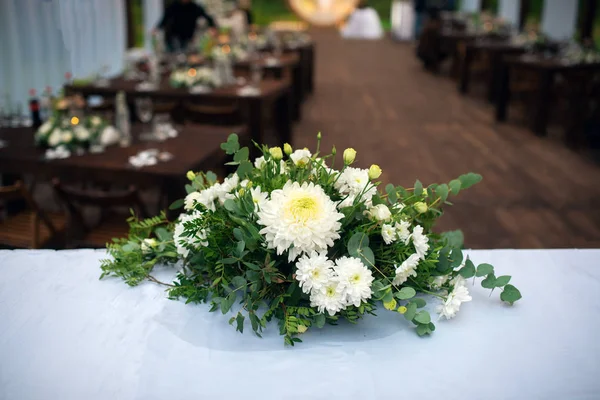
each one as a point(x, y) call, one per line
point(66, 335)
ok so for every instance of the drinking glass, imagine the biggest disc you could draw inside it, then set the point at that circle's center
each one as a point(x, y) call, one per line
point(256, 73)
point(145, 111)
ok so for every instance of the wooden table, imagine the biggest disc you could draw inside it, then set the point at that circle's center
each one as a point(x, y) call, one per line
point(450, 40)
point(197, 147)
point(495, 49)
point(275, 98)
point(546, 68)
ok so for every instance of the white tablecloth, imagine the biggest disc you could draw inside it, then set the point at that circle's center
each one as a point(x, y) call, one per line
point(66, 335)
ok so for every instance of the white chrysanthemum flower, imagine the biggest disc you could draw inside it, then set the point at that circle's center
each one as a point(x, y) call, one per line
point(191, 199)
point(260, 162)
point(354, 279)
point(314, 271)
point(438, 282)
point(301, 157)
point(459, 295)
point(402, 230)
point(183, 243)
point(406, 269)
point(207, 198)
point(398, 207)
point(351, 183)
point(329, 298)
point(420, 241)
point(81, 133)
point(55, 138)
point(259, 198)
point(388, 233)
point(96, 121)
point(66, 137)
point(45, 128)
point(244, 183)
point(300, 219)
point(380, 212)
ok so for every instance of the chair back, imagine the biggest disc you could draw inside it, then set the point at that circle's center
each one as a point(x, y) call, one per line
point(19, 191)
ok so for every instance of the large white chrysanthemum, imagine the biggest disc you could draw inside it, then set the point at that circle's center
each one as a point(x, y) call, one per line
point(314, 271)
point(354, 280)
point(459, 295)
point(406, 269)
point(420, 241)
point(195, 239)
point(354, 182)
point(330, 298)
point(300, 219)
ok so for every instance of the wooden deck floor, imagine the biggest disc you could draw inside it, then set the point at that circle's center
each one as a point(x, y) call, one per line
point(375, 97)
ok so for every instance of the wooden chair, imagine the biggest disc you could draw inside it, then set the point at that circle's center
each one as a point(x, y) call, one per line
point(223, 113)
point(81, 233)
point(32, 228)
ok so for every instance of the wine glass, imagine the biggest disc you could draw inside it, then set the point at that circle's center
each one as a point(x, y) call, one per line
point(256, 73)
point(145, 111)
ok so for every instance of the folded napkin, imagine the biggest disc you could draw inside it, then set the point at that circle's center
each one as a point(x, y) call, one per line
point(272, 62)
point(248, 91)
point(149, 157)
point(199, 89)
point(58, 153)
point(145, 86)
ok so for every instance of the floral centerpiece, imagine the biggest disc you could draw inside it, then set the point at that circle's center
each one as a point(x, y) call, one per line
point(291, 238)
point(191, 77)
point(73, 132)
point(236, 52)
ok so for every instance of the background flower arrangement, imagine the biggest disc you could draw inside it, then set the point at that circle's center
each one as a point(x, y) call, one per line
point(290, 238)
point(203, 76)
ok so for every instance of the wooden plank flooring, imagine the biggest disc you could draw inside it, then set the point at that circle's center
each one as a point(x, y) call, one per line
point(375, 97)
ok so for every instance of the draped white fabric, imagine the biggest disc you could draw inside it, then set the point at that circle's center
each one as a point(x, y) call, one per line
point(471, 5)
point(509, 11)
point(41, 40)
point(402, 20)
point(363, 24)
point(559, 18)
point(153, 10)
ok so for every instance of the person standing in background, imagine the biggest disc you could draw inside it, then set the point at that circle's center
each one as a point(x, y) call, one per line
point(179, 23)
point(420, 10)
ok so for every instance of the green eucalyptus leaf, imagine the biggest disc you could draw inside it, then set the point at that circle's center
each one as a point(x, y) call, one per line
point(468, 271)
point(484, 269)
point(238, 282)
point(455, 186)
point(241, 155)
point(418, 188)
point(411, 311)
point(423, 329)
point(419, 302)
point(176, 204)
point(442, 191)
point(502, 280)
point(356, 242)
point(240, 323)
point(470, 179)
point(489, 282)
point(510, 294)
point(406, 293)
point(244, 169)
point(319, 320)
point(423, 317)
point(454, 239)
point(366, 256)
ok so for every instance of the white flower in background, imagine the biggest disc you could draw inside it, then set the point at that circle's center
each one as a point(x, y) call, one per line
point(330, 298)
point(258, 197)
point(96, 121)
point(438, 282)
point(196, 237)
point(231, 183)
point(459, 295)
point(191, 200)
point(147, 245)
point(388, 232)
point(301, 157)
point(260, 162)
point(55, 138)
point(355, 279)
point(81, 133)
point(406, 269)
point(300, 219)
point(420, 241)
point(109, 136)
point(244, 183)
point(351, 183)
point(402, 230)
point(66, 137)
point(207, 198)
point(46, 127)
point(314, 271)
point(380, 212)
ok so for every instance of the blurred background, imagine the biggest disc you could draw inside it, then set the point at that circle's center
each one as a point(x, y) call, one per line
point(106, 104)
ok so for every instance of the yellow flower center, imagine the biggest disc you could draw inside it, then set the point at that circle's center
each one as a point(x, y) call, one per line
point(355, 278)
point(330, 292)
point(302, 209)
